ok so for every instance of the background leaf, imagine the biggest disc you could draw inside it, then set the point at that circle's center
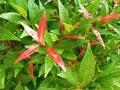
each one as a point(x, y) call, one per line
point(7, 35)
point(63, 12)
point(11, 16)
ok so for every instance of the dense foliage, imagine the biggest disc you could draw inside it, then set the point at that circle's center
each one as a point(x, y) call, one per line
point(59, 45)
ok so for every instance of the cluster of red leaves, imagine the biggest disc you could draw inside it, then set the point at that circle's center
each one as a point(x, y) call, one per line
point(39, 37)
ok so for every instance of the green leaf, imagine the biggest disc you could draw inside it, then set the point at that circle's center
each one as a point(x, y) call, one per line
point(115, 28)
point(12, 16)
point(20, 10)
point(24, 34)
point(2, 79)
point(46, 88)
point(41, 70)
point(63, 13)
point(106, 83)
point(69, 55)
point(41, 6)
point(19, 87)
point(92, 7)
point(33, 10)
point(7, 35)
point(87, 67)
point(1, 1)
point(68, 75)
point(21, 3)
point(48, 65)
point(48, 39)
point(106, 6)
point(17, 70)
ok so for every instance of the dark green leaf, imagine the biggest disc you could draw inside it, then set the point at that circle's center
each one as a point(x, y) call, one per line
point(69, 55)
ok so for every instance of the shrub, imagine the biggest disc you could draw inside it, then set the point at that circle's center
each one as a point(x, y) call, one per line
point(59, 44)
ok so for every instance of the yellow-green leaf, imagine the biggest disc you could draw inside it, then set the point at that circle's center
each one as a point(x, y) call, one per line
point(20, 10)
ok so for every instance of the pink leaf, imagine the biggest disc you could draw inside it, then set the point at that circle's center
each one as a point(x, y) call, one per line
point(42, 29)
point(86, 13)
point(27, 53)
point(97, 34)
point(56, 57)
point(83, 50)
point(108, 17)
point(62, 26)
point(74, 37)
point(30, 31)
point(31, 69)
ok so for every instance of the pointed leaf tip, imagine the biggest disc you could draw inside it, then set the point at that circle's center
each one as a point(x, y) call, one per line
point(30, 31)
point(27, 53)
point(85, 12)
point(56, 57)
point(97, 34)
point(42, 28)
point(31, 69)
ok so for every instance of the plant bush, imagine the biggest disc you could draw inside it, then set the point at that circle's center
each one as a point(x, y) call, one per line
point(59, 45)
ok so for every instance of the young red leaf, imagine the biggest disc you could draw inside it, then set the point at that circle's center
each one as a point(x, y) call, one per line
point(56, 57)
point(30, 31)
point(42, 29)
point(97, 34)
point(62, 26)
point(31, 69)
point(27, 53)
point(116, 1)
point(94, 43)
point(83, 50)
point(74, 37)
point(85, 12)
point(108, 17)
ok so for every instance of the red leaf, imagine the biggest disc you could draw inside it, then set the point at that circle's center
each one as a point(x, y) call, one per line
point(62, 26)
point(27, 53)
point(56, 57)
point(94, 43)
point(42, 29)
point(86, 13)
point(83, 50)
point(30, 31)
point(108, 17)
point(31, 69)
point(74, 37)
point(97, 34)
point(116, 1)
